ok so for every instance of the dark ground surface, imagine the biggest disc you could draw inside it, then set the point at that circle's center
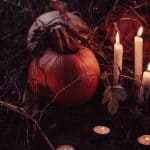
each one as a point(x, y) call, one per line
point(62, 126)
point(74, 126)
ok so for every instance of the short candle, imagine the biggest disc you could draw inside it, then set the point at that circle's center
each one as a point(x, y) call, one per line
point(146, 77)
point(101, 130)
point(65, 147)
point(144, 140)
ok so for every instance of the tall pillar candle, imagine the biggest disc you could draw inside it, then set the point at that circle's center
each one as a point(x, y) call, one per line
point(118, 59)
point(138, 54)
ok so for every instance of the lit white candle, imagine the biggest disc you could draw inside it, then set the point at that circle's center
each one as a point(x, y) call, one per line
point(146, 77)
point(101, 130)
point(138, 54)
point(146, 84)
point(65, 147)
point(144, 140)
point(118, 59)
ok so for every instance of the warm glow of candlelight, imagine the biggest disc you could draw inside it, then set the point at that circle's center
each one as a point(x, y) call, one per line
point(103, 130)
point(117, 38)
point(147, 139)
point(148, 68)
point(65, 147)
point(140, 31)
point(144, 139)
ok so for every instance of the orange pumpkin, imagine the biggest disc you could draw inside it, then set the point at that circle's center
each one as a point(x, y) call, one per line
point(51, 72)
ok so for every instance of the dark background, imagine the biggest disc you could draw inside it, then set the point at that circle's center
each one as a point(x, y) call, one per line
point(62, 126)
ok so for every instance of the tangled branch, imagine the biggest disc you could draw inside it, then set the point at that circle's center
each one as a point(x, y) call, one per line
point(25, 114)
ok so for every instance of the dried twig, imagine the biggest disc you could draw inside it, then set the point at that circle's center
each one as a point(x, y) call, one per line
point(104, 75)
point(63, 89)
point(139, 16)
point(16, 5)
point(25, 114)
point(7, 63)
point(115, 4)
point(141, 5)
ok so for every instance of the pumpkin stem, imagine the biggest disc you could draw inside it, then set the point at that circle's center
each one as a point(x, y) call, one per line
point(62, 41)
point(58, 40)
point(65, 36)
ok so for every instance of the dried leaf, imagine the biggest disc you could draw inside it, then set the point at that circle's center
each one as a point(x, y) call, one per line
point(114, 95)
point(107, 95)
point(119, 93)
point(113, 106)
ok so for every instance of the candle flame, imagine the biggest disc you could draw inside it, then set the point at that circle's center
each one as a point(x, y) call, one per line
point(117, 38)
point(140, 31)
point(148, 68)
point(147, 138)
point(102, 128)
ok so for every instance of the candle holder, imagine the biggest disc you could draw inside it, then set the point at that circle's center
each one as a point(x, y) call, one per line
point(65, 147)
point(143, 142)
point(101, 133)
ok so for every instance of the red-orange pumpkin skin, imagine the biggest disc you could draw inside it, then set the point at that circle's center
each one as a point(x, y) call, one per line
point(52, 72)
